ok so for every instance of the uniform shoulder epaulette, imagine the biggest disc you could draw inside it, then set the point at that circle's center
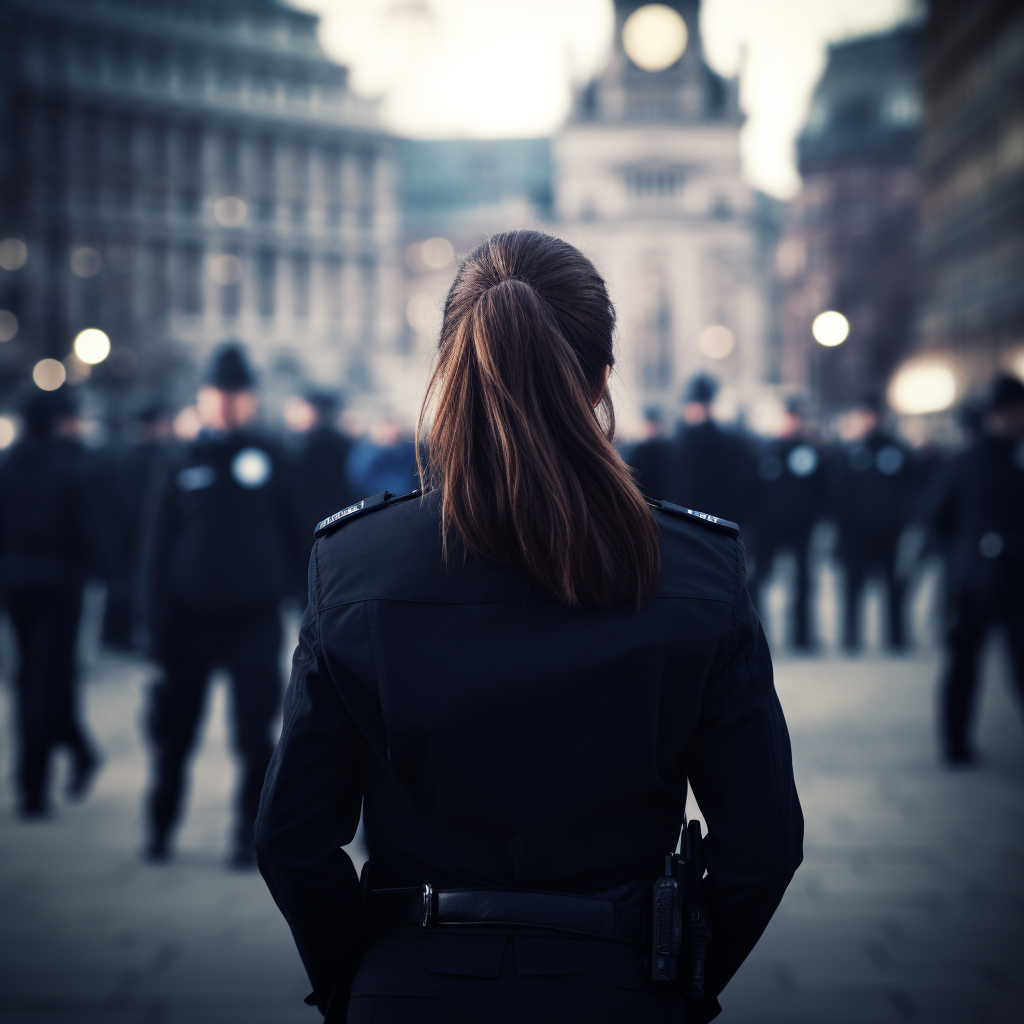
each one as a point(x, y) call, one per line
point(697, 517)
point(378, 501)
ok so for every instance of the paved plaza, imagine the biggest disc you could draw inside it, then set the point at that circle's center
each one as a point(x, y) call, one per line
point(909, 905)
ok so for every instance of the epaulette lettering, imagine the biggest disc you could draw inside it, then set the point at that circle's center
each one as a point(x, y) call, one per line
point(694, 516)
point(381, 500)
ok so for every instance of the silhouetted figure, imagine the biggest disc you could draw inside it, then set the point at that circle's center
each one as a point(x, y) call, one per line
point(385, 461)
point(976, 510)
point(710, 469)
point(876, 483)
point(221, 551)
point(648, 458)
point(790, 495)
point(130, 475)
point(321, 464)
point(52, 538)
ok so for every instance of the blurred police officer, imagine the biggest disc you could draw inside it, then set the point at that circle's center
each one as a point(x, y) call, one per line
point(221, 551)
point(321, 463)
point(709, 467)
point(130, 475)
point(52, 537)
point(976, 507)
point(648, 458)
point(875, 486)
point(789, 497)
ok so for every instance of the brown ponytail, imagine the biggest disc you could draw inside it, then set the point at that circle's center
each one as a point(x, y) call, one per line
point(527, 474)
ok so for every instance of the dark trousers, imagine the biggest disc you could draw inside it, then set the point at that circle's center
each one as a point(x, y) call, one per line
point(764, 559)
point(248, 647)
point(46, 627)
point(857, 565)
point(968, 630)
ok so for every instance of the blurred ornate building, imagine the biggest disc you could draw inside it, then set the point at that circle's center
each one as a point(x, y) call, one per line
point(178, 171)
point(647, 182)
point(849, 245)
point(972, 210)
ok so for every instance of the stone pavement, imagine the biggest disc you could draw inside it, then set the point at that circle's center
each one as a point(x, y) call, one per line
point(909, 905)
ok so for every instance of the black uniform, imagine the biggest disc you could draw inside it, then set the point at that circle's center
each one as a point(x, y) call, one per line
point(321, 470)
point(52, 537)
point(649, 461)
point(711, 469)
point(976, 508)
point(496, 738)
point(875, 487)
point(790, 495)
point(220, 554)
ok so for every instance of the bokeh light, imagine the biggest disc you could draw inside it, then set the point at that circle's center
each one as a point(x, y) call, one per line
point(92, 345)
point(830, 328)
point(229, 211)
point(49, 374)
point(8, 431)
point(423, 314)
point(13, 254)
point(437, 253)
point(654, 37)
point(716, 342)
point(8, 325)
point(86, 262)
point(919, 388)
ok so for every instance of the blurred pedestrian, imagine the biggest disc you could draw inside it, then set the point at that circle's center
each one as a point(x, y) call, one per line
point(648, 458)
point(876, 483)
point(321, 464)
point(384, 461)
point(710, 468)
point(976, 508)
point(514, 677)
point(790, 496)
point(221, 551)
point(53, 536)
point(130, 474)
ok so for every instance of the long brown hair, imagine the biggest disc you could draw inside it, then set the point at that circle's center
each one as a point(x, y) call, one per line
point(526, 469)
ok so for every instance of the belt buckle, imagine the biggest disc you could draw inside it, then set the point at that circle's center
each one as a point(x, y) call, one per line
point(428, 900)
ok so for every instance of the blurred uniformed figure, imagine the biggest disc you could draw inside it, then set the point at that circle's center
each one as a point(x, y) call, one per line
point(129, 476)
point(514, 676)
point(321, 463)
point(975, 508)
point(221, 551)
point(710, 468)
point(876, 484)
point(53, 536)
point(790, 496)
point(384, 461)
point(648, 458)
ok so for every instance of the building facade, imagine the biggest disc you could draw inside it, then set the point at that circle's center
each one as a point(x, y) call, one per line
point(849, 241)
point(647, 182)
point(175, 172)
point(972, 206)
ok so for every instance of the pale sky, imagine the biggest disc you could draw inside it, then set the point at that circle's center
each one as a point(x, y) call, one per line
point(506, 68)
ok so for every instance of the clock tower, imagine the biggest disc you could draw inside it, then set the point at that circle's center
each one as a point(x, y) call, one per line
point(647, 182)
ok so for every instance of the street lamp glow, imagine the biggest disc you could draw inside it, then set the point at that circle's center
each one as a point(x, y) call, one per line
point(830, 328)
point(49, 374)
point(654, 37)
point(92, 346)
point(922, 388)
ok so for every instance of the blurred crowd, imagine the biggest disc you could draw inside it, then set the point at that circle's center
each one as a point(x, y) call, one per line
point(200, 539)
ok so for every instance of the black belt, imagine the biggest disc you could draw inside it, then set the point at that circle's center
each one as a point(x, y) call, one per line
point(581, 915)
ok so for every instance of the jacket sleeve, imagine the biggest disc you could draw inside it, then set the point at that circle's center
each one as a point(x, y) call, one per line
point(309, 810)
point(740, 768)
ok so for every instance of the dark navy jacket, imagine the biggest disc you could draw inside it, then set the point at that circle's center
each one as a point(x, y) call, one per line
point(496, 738)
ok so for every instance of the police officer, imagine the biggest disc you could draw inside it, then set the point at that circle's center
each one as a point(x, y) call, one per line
point(648, 458)
point(221, 551)
point(709, 467)
point(790, 496)
point(53, 536)
point(876, 484)
point(321, 463)
point(975, 508)
point(514, 676)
